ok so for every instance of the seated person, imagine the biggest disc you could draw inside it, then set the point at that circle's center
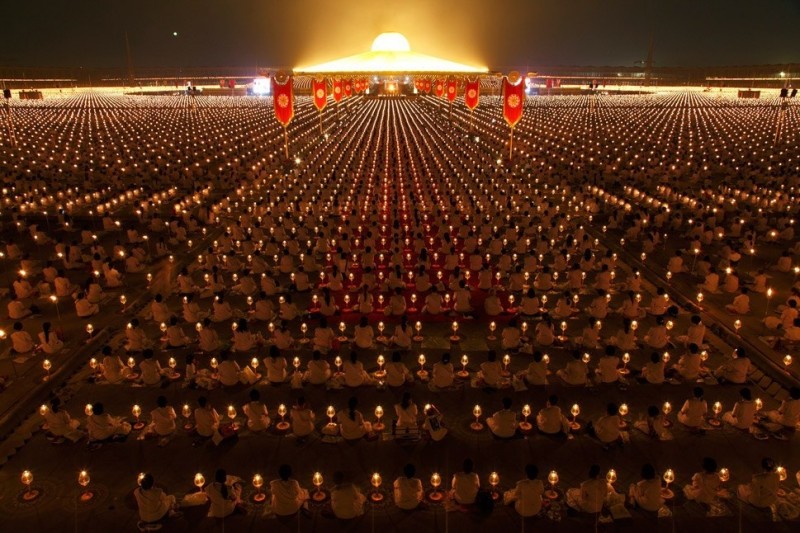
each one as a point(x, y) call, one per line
point(694, 410)
point(607, 371)
point(408, 491)
point(704, 486)
point(591, 496)
point(646, 493)
point(229, 372)
point(162, 419)
point(690, 364)
point(153, 503)
point(653, 372)
point(443, 373)
point(527, 494)
point(256, 413)
point(397, 374)
point(550, 420)
point(102, 426)
point(491, 371)
point(21, 340)
point(744, 411)
point(347, 501)
point(653, 425)
point(318, 371)
point(206, 419)
point(734, 370)
point(302, 418)
point(606, 428)
point(275, 365)
point(150, 368)
point(465, 484)
point(762, 491)
point(287, 495)
point(434, 424)
point(60, 424)
point(511, 336)
point(352, 425)
point(224, 494)
point(503, 423)
point(406, 412)
point(788, 414)
point(536, 374)
point(575, 371)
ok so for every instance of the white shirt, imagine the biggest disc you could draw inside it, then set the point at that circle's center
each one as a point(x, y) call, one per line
point(465, 487)
point(408, 492)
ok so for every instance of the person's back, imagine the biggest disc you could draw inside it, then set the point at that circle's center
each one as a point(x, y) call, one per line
point(347, 501)
point(465, 487)
point(764, 489)
point(529, 497)
point(593, 495)
point(550, 420)
point(153, 504)
point(408, 492)
point(287, 496)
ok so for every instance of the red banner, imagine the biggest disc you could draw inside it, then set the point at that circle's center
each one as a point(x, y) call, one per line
point(452, 90)
point(513, 100)
point(320, 90)
point(427, 86)
point(439, 88)
point(357, 86)
point(472, 93)
point(283, 100)
point(348, 88)
point(337, 90)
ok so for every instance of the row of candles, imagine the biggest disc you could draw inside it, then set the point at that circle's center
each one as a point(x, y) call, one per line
point(31, 493)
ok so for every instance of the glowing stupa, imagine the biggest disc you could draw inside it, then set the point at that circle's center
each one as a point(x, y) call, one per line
point(390, 54)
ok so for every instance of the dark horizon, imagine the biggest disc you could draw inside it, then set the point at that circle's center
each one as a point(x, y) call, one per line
point(503, 33)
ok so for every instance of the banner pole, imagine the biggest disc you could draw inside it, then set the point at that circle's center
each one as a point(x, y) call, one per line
point(511, 144)
point(471, 120)
point(320, 121)
point(286, 141)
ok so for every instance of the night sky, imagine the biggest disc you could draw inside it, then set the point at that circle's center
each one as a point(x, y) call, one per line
point(495, 33)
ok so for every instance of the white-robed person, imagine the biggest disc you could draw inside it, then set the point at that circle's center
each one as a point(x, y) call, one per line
point(347, 501)
point(318, 371)
point(408, 491)
point(353, 374)
point(49, 341)
point(503, 423)
point(102, 426)
point(153, 503)
point(363, 334)
point(302, 419)
point(256, 412)
point(646, 493)
point(443, 373)
point(397, 373)
point(403, 334)
point(60, 424)
point(550, 420)
point(287, 494)
point(276, 365)
point(162, 419)
point(352, 425)
point(407, 413)
point(762, 491)
point(206, 419)
point(224, 494)
point(527, 494)
point(788, 414)
point(465, 484)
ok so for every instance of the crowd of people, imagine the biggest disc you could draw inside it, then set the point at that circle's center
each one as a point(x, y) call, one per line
point(333, 271)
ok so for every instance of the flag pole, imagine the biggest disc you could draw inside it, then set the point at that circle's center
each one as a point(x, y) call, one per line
point(320, 121)
point(511, 144)
point(471, 120)
point(286, 141)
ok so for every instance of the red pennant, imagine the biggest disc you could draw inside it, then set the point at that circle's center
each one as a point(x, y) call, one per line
point(348, 88)
point(320, 90)
point(283, 100)
point(427, 86)
point(513, 100)
point(472, 93)
point(337, 90)
point(439, 88)
point(452, 90)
